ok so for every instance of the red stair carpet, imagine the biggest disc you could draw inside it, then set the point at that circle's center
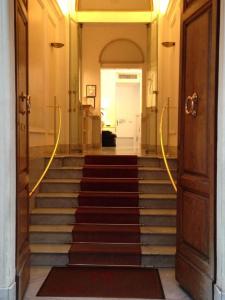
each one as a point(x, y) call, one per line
point(105, 256)
point(107, 228)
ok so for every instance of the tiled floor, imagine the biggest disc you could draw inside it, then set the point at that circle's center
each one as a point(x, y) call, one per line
point(171, 288)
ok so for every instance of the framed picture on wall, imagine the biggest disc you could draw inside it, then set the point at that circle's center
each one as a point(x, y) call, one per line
point(90, 90)
point(91, 101)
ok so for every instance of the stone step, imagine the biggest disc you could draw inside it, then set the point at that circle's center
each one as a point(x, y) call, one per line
point(76, 173)
point(60, 185)
point(64, 173)
point(57, 200)
point(66, 216)
point(56, 234)
point(57, 255)
point(155, 173)
point(156, 186)
point(70, 200)
point(73, 185)
point(162, 201)
point(143, 160)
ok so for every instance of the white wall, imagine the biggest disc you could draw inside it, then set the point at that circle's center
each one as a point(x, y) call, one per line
point(7, 153)
point(94, 38)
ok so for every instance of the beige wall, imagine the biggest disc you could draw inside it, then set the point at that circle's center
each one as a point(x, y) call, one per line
point(94, 38)
point(48, 81)
point(168, 76)
point(48, 76)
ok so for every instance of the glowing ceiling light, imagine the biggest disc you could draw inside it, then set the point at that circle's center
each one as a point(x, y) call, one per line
point(67, 6)
point(160, 6)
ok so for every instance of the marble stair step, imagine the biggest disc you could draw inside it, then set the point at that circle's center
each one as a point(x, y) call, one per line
point(155, 173)
point(73, 185)
point(57, 200)
point(143, 160)
point(162, 201)
point(67, 200)
point(66, 216)
point(155, 186)
point(57, 255)
point(150, 235)
point(60, 185)
point(68, 172)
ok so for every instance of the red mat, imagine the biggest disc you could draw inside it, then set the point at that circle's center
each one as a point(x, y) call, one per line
point(102, 282)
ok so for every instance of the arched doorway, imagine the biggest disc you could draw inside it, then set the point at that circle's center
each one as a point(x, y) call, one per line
point(121, 64)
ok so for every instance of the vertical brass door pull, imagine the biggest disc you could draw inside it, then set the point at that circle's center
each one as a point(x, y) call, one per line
point(191, 105)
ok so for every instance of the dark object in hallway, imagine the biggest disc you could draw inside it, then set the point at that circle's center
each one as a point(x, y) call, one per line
point(107, 282)
point(108, 139)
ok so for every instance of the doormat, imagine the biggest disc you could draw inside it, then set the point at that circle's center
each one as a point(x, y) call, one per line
point(104, 282)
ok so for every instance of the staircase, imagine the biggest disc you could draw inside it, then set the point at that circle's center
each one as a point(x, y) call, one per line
point(127, 217)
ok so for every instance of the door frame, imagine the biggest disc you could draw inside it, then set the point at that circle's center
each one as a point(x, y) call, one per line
point(142, 85)
point(219, 290)
point(121, 66)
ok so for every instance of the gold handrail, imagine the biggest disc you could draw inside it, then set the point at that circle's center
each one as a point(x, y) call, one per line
point(163, 150)
point(52, 156)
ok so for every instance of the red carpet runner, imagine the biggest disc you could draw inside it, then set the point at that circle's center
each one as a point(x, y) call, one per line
point(107, 228)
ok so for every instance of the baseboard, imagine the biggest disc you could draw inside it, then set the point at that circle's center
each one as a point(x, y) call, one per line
point(218, 294)
point(9, 293)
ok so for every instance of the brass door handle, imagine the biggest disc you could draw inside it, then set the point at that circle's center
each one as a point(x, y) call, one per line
point(24, 103)
point(28, 104)
point(191, 105)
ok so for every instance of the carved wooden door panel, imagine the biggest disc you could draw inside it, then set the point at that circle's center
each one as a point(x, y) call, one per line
point(195, 260)
point(22, 101)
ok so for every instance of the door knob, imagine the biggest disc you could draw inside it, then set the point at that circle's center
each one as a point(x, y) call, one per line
point(191, 105)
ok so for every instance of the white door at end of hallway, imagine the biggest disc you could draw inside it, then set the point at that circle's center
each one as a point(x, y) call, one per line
point(128, 114)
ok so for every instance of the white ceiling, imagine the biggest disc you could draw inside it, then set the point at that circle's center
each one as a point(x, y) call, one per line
point(114, 5)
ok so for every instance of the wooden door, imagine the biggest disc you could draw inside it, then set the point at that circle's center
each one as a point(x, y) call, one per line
point(195, 259)
point(22, 100)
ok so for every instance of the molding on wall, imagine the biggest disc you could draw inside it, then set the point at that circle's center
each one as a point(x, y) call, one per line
point(37, 130)
point(9, 293)
point(117, 41)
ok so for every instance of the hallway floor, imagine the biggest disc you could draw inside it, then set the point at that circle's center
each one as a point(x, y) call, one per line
point(171, 288)
point(118, 151)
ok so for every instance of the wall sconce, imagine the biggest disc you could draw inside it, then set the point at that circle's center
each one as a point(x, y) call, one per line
point(57, 45)
point(168, 44)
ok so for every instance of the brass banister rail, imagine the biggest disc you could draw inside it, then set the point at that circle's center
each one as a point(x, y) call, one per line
point(163, 150)
point(52, 156)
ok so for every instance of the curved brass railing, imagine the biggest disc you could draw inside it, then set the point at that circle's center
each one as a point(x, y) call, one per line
point(163, 150)
point(52, 156)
